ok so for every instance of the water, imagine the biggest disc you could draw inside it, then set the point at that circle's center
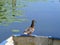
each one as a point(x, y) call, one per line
point(47, 16)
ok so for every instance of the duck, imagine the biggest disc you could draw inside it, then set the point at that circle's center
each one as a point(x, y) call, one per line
point(30, 29)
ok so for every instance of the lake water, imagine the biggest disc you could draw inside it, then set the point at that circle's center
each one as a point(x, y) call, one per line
point(47, 16)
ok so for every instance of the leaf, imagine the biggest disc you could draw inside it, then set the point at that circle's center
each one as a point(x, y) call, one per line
point(3, 18)
point(15, 30)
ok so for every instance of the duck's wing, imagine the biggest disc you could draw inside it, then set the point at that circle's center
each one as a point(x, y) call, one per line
point(28, 30)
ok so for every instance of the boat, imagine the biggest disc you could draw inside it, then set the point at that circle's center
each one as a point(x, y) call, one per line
point(31, 40)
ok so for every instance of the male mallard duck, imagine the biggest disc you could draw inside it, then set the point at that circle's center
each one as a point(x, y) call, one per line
point(30, 29)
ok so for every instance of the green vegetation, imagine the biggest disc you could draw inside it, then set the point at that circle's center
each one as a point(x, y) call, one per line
point(9, 12)
point(15, 30)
